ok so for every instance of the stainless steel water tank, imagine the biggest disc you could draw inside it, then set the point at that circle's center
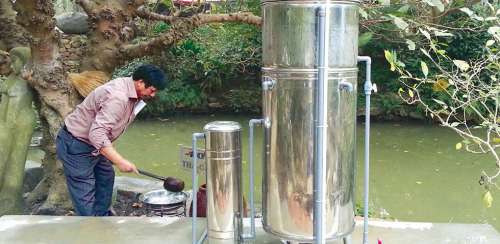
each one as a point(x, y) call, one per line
point(290, 62)
point(224, 191)
point(289, 34)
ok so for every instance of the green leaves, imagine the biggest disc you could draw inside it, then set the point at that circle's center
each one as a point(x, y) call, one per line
point(467, 11)
point(393, 60)
point(438, 4)
point(168, 3)
point(435, 3)
point(425, 69)
point(425, 33)
point(411, 44)
point(365, 38)
point(363, 13)
point(388, 57)
point(400, 23)
point(462, 65)
point(404, 9)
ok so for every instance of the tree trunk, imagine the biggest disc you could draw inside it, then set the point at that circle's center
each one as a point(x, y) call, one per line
point(56, 97)
point(11, 34)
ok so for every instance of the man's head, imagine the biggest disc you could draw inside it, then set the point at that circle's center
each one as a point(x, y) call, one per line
point(148, 79)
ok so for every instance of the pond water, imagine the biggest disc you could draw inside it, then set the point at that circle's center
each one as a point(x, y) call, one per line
point(416, 174)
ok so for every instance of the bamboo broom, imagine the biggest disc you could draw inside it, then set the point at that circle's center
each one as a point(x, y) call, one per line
point(87, 81)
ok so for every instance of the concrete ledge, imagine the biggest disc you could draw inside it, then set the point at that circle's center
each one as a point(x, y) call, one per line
point(17, 229)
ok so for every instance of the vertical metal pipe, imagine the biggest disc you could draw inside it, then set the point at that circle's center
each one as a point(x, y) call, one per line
point(252, 198)
point(195, 190)
point(321, 127)
point(368, 91)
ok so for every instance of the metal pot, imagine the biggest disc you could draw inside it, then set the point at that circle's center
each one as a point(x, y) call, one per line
point(163, 198)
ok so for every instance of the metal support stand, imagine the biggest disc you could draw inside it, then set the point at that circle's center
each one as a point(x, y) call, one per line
point(347, 239)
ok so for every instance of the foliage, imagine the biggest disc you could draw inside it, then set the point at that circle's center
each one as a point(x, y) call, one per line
point(462, 90)
point(245, 100)
point(461, 35)
point(158, 28)
point(218, 60)
point(360, 210)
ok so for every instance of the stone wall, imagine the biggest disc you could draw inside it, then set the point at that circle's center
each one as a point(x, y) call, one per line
point(72, 48)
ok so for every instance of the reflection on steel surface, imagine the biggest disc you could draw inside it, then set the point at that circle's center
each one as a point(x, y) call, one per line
point(288, 198)
point(289, 38)
point(224, 193)
point(290, 58)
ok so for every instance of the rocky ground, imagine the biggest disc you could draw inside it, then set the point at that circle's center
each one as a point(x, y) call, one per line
point(124, 206)
point(126, 196)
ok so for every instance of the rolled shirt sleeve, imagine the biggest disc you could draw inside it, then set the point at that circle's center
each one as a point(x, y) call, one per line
point(111, 110)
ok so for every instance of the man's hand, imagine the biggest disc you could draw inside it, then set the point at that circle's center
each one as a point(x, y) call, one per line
point(122, 164)
point(126, 166)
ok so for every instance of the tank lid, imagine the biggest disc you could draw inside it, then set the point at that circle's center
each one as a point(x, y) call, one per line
point(223, 126)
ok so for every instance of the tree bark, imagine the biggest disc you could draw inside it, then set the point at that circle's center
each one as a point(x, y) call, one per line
point(11, 34)
point(107, 19)
point(57, 98)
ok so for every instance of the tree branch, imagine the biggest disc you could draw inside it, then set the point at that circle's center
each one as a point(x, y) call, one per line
point(176, 32)
point(456, 9)
point(144, 13)
point(45, 72)
point(238, 17)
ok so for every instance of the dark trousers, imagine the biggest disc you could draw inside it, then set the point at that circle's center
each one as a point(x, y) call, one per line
point(89, 178)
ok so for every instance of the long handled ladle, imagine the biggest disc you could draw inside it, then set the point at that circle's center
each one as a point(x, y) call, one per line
point(170, 183)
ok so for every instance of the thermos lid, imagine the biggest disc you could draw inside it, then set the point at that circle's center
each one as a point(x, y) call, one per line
point(223, 126)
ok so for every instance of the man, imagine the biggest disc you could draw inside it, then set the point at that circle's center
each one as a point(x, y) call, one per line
point(84, 143)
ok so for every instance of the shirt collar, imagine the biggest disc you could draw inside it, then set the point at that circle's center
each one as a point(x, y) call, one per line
point(131, 92)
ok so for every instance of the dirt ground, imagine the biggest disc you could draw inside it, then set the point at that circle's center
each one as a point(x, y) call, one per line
point(124, 206)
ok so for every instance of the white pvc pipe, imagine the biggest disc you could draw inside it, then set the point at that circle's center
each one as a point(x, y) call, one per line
point(368, 91)
point(252, 198)
point(195, 192)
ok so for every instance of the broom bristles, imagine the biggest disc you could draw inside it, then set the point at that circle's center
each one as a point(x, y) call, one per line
point(87, 81)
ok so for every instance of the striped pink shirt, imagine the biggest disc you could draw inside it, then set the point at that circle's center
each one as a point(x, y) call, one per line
point(105, 114)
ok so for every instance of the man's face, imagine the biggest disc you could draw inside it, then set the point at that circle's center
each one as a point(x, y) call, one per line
point(145, 92)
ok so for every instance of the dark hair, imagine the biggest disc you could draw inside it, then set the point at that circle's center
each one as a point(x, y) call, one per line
point(152, 76)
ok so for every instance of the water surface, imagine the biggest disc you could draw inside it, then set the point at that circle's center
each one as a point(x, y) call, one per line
point(416, 174)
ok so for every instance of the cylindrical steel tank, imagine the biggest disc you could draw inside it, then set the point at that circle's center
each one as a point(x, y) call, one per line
point(290, 58)
point(224, 192)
